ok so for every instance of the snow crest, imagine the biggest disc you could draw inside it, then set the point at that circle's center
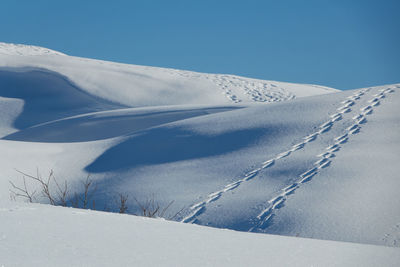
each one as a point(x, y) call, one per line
point(26, 50)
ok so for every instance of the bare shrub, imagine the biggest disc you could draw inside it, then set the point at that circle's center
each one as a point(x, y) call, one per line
point(123, 198)
point(152, 209)
point(58, 194)
point(22, 191)
point(62, 193)
point(44, 185)
point(75, 201)
point(88, 192)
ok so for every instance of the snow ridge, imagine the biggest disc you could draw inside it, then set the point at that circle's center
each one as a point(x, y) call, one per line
point(26, 50)
point(239, 89)
point(139, 86)
point(257, 91)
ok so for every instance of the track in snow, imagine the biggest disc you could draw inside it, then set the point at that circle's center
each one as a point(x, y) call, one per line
point(200, 207)
point(256, 90)
point(263, 218)
point(392, 238)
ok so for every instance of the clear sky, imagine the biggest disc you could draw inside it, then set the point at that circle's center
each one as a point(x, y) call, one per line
point(340, 43)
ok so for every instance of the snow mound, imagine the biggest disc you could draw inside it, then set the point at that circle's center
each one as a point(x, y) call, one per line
point(26, 50)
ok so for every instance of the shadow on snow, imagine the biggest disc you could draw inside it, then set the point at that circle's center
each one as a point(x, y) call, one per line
point(165, 145)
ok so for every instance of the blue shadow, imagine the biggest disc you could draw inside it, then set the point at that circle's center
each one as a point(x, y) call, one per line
point(165, 145)
point(47, 95)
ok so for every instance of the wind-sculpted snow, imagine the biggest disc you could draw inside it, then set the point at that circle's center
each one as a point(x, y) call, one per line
point(139, 86)
point(230, 152)
point(10, 109)
point(201, 148)
point(47, 96)
point(109, 124)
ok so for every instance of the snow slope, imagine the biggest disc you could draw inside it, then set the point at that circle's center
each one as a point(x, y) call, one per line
point(73, 237)
point(321, 165)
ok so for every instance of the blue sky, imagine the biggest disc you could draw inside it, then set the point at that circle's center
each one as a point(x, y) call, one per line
point(343, 44)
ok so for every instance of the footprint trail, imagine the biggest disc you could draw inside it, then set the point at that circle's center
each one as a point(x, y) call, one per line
point(197, 209)
point(263, 218)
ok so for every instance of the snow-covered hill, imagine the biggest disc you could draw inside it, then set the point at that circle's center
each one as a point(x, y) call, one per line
point(309, 161)
point(137, 86)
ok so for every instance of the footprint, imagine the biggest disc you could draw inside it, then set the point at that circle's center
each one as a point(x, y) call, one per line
point(361, 120)
point(308, 178)
point(325, 164)
point(214, 197)
point(348, 102)
point(342, 140)
point(232, 186)
point(355, 128)
point(298, 146)
point(325, 129)
point(336, 117)
point(291, 188)
point(309, 172)
point(366, 110)
point(355, 131)
point(327, 155)
point(373, 100)
point(268, 163)
point(311, 137)
point(283, 154)
point(345, 110)
point(333, 148)
point(321, 161)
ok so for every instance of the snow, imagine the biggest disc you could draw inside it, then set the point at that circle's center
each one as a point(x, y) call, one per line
point(267, 157)
point(11, 108)
point(37, 235)
point(367, 210)
point(138, 86)
point(25, 50)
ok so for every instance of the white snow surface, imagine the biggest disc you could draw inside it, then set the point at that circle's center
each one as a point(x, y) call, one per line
point(37, 235)
point(321, 165)
point(26, 50)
